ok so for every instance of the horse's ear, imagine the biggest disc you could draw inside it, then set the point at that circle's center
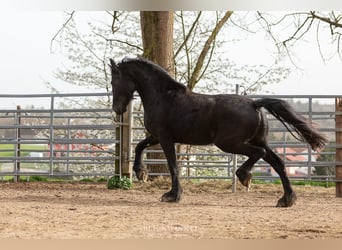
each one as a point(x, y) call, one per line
point(114, 67)
point(112, 63)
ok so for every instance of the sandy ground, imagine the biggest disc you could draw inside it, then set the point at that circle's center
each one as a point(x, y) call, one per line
point(208, 210)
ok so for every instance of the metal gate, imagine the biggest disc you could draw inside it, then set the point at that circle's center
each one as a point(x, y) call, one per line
point(68, 135)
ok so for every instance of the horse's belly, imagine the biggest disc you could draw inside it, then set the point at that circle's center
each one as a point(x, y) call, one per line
point(194, 137)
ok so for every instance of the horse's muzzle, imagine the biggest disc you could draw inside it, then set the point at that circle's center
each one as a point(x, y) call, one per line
point(118, 109)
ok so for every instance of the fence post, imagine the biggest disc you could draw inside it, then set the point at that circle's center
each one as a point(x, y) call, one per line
point(17, 147)
point(338, 126)
point(123, 165)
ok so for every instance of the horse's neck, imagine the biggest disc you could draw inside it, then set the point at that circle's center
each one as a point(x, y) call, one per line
point(153, 88)
point(147, 92)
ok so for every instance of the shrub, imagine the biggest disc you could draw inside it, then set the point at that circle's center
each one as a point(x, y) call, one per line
point(116, 182)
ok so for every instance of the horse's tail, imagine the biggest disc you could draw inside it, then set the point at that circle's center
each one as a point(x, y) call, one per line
point(290, 119)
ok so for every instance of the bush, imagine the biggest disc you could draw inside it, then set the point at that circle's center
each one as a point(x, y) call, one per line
point(37, 178)
point(116, 182)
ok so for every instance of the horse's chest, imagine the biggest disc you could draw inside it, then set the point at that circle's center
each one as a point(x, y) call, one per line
point(152, 123)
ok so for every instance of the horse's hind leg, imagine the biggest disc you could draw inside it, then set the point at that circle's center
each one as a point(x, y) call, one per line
point(138, 167)
point(244, 171)
point(289, 197)
point(253, 152)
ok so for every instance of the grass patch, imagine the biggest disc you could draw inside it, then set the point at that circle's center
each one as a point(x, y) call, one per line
point(37, 178)
point(87, 180)
point(298, 183)
point(7, 150)
point(314, 183)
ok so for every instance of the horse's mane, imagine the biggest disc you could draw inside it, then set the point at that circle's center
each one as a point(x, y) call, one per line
point(168, 80)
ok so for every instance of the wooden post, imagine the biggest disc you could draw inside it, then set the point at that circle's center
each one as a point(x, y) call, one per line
point(123, 166)
point(338, 121)
point(126, 169)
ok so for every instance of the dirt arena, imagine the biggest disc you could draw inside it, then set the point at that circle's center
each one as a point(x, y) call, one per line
point(208, 210)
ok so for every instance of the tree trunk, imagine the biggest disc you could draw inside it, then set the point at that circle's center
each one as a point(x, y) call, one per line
point(157, 36)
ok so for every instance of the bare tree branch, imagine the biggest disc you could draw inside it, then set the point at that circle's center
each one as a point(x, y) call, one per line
point(197, 71)
point(118, 41)
point(318, 43)
point(61, 29)
point(297, 35)
point(185, 46)
point(335, 23)
point(115, 18)
point(186, 38)
point(305, 22)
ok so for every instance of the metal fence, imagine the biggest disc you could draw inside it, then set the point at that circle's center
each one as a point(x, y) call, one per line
point(68, 136)
point(208, 162)
point(78, 135)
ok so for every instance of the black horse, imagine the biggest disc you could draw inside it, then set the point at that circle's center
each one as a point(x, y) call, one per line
point(175, 114)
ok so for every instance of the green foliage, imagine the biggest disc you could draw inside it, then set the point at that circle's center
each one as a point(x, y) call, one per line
point(116, 182)
point(87, 180)
point(314, 183)
point(327, 155)
point(38, 178)
point(102, 179)
point(298, 183)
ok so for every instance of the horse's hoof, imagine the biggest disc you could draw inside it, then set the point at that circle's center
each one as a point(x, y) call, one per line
point(287, 200)
point(171, 197)
point(142, 174)
point(245, 179)
point(249, 184)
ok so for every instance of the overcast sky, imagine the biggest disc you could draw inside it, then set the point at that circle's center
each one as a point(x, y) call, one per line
point(27, 63)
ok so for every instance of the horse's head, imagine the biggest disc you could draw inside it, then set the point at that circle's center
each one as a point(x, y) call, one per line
point(123, 88)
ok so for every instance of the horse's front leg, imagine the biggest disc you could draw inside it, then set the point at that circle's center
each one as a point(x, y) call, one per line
point(174, 195)
point(138, 167)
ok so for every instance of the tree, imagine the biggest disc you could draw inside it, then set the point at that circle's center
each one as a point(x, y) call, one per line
point(198, 59)
point(300, 25)
point(201, 58)
point(194, 58)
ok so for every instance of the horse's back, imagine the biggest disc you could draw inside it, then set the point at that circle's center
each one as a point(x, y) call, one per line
point(238, 120)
